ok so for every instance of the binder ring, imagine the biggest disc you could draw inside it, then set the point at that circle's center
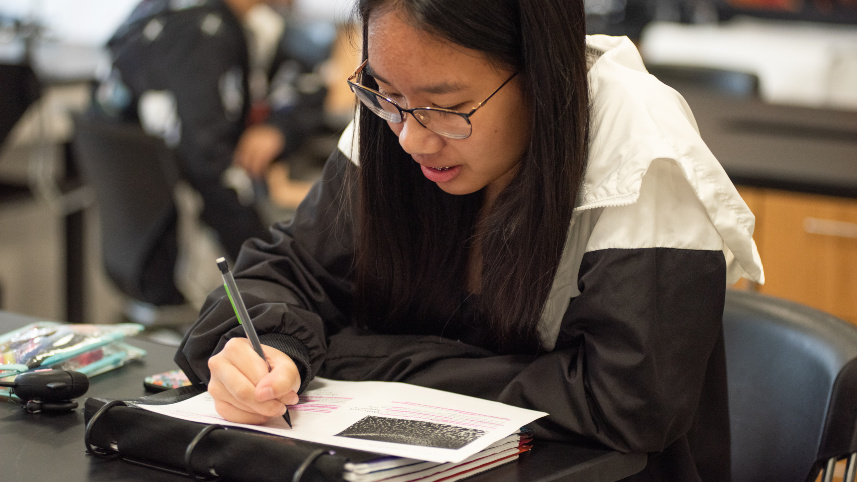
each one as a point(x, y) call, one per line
point(96, 451)
point(188, 453)
point(299, 472)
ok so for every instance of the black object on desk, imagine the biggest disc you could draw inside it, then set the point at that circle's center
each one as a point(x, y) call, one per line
point(48, 390)
point(199, 450)
point(34, 446)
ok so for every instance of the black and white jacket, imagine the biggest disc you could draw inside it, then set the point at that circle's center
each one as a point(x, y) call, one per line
point(631, 334)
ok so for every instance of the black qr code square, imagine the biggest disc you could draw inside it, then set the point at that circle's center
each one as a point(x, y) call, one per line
point(412, 432)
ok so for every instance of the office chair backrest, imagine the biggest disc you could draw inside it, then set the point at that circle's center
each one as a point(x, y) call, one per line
point(133, 175)
point(792, 377)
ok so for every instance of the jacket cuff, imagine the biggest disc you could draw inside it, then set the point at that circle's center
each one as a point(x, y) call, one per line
point(295, 350)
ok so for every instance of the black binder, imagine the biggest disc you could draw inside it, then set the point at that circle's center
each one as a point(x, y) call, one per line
point(119, 429)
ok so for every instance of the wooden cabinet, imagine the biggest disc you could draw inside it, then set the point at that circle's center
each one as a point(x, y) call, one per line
point(808, 246)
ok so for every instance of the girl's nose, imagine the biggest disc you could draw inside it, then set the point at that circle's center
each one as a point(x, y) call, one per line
point(416, 139)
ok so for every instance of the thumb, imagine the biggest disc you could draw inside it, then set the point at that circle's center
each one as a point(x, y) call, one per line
point(282, 383)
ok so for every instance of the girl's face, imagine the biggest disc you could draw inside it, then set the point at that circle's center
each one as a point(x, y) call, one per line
point(417, 69)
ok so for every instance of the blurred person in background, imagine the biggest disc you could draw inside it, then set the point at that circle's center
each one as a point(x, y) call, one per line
point(196, 74)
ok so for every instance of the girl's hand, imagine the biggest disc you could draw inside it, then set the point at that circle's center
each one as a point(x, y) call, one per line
point(243, 389)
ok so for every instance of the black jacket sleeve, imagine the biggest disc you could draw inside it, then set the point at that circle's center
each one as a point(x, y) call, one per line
point(627, 372)
point(297, 288)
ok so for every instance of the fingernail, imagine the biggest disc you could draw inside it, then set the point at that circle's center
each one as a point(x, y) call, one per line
point(266, 393)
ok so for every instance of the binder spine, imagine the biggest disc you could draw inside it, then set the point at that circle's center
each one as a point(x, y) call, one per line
point(117, 429)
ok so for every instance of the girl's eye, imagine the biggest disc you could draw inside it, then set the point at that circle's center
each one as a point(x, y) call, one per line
point(395, 97)
point(456, 107)
point(400, 100)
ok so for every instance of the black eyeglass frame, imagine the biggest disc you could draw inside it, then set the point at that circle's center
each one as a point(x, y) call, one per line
point(402, 111)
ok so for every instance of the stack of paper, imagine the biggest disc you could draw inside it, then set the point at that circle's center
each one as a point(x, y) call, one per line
point(398, 469)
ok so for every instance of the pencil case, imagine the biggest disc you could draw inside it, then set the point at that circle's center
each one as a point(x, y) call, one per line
point(87, 348)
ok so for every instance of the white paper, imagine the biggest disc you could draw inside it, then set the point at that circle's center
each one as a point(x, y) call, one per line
point(425, 471)
point(384, 417)
point(386, 463)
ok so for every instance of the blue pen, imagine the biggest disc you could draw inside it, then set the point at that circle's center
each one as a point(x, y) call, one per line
point(244, 317)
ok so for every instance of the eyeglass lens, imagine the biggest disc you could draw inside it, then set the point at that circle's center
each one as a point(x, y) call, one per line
point(444, 123)
point(378, 105)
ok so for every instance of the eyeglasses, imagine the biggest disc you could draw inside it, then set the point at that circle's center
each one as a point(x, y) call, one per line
point(448, 123)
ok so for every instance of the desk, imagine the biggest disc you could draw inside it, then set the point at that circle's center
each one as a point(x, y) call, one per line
point(776, 146)
point(49, 447)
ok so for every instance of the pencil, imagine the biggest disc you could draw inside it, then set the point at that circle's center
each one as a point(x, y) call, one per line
point(244, 317)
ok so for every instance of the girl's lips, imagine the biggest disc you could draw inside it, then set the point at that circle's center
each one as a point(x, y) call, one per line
point(440, 175)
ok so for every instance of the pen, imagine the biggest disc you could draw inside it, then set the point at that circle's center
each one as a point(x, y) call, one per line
point(244, 317)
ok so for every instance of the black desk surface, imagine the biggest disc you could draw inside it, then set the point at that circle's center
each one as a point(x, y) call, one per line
point(50, 447)
point(803, 149)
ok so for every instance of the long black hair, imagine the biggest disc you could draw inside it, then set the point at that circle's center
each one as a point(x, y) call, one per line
point(414, 239)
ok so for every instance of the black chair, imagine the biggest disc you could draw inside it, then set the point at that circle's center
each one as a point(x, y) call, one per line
point(133, 176)
point(792, 377)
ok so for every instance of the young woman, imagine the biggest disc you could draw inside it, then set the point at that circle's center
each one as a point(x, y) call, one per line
point(521, 213)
